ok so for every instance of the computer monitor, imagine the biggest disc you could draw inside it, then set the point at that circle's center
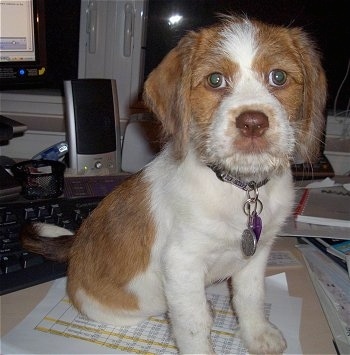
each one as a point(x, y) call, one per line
point(22, 43)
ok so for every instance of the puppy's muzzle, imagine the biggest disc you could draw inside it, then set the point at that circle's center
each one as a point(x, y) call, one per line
point(252, 123)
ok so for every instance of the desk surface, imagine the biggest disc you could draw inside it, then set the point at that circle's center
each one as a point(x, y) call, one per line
point(315, 334)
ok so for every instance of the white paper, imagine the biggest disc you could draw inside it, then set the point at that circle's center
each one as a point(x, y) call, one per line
point(299, 229)
point(285, 258)
point(327, 182)
point(71, 333)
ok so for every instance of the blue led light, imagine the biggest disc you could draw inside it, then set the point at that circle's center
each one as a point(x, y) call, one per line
point(21, 72)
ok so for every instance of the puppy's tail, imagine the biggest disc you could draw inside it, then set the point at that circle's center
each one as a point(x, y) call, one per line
point(50, 241)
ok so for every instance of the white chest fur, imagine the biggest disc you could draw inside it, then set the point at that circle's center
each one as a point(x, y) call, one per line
point(201, 217)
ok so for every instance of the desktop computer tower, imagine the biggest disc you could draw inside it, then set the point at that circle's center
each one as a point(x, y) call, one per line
point(93, 127)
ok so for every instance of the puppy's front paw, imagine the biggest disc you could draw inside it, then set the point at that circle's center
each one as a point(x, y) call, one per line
point(264, 339)
point(195, 346)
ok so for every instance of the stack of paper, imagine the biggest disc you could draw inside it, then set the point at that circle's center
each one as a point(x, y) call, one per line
point(325, 206)
point(333, 289)
point(56, 327)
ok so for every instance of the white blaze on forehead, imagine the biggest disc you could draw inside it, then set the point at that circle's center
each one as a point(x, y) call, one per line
point(240, 45)
point(239, 42)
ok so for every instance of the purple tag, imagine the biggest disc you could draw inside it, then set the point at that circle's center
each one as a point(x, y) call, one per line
point(256, 225)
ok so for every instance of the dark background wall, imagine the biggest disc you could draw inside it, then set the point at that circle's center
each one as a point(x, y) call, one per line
point(62, 40)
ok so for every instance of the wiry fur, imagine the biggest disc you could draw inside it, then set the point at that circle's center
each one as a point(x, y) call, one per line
point(158, 239)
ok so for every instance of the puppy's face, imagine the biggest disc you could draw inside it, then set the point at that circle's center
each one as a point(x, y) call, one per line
point(243, 95)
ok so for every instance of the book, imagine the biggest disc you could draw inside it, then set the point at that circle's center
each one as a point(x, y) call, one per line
point(326, 206)
point(335, 249)
point(332, 287)
point(341, 249)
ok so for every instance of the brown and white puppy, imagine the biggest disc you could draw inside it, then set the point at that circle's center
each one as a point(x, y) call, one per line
point(241, 98)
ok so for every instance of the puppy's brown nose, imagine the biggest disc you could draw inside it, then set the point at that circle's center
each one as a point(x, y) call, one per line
point(252, 123)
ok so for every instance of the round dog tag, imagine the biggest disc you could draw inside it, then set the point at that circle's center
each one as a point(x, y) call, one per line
point(248, 242)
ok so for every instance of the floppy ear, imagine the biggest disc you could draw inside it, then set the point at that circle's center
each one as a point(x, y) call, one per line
point(312, 120)
point(167, 93)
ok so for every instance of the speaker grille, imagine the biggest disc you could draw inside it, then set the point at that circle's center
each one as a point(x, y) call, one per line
point(95, 120)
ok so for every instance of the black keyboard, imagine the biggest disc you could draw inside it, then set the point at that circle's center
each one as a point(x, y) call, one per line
point(20, 268)
point(320, 169)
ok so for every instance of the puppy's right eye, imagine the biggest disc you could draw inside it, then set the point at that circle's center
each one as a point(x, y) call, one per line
point(216, 80)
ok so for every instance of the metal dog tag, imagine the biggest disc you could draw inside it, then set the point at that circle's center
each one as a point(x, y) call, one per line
point(248, 242)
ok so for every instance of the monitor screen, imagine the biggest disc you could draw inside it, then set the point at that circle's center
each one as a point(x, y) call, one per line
point(22, 42)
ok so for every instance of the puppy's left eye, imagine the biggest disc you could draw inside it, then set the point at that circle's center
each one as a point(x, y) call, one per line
point(277, 77)
point(216, 80)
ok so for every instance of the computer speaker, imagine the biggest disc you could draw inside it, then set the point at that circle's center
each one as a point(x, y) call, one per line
point(93, 127)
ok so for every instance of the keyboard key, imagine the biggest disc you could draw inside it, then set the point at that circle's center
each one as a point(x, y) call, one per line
point(43, 211)
point(68, 224)
point(10, 218)
point(8, 244)
point(29, 213)
point(30, 259)
point(55, 209)
point(9, 264)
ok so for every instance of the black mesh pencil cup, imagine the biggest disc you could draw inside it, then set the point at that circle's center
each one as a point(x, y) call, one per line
point(40, 178)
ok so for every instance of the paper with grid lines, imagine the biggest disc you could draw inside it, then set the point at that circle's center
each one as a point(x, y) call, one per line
point(150, 337)
point(55, 327)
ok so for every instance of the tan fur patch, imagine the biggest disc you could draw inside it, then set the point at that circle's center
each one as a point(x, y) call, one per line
point(113, 246)
point(304, 96)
